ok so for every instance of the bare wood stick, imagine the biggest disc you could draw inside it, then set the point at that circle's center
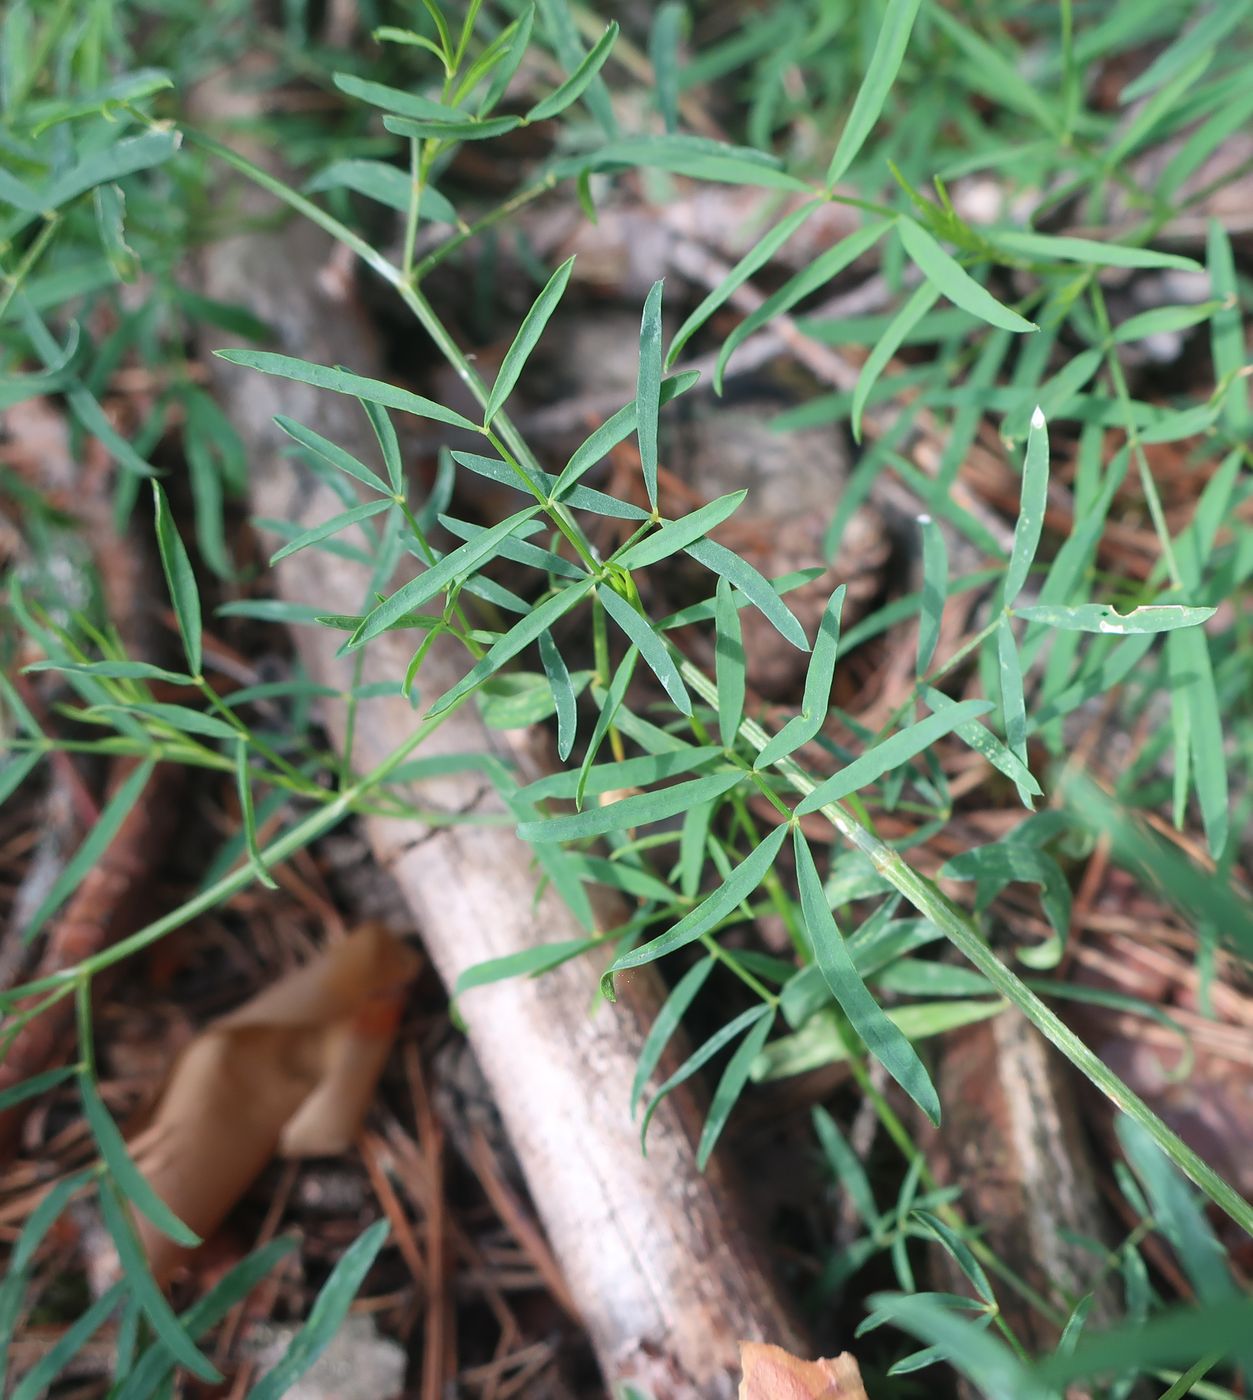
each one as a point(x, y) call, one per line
point(657, 1255)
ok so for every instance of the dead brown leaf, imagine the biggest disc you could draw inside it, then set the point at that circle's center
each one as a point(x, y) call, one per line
point(770, 1373)
point(290, 1073)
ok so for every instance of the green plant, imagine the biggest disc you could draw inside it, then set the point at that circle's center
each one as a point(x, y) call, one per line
point(1028, 336)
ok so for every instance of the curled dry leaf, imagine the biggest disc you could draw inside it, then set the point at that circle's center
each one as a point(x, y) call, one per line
point(770, 1373)
point(291, 1073)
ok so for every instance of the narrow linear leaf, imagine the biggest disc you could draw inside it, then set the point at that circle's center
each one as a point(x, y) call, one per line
point(576, 84)
point(143, 1288)
point(678, 534)
point(243, 786)
point(757, 589)
point(885, 62)
point(894, 335)
point(757, 257)
point(539, 620)
point(94, 845)
point(742, 881)
point(420, 590)
point(1034, 497)
point(1013, 705)
point(326, 1316)
point(817, 696)
point(330, 527)
point(651, 647)
point(934, 590)
point(891, 753)
point(39, 1379)
point(882, 1038)
point(1191, 659)
point(667, 1021)
point(470, 129)
point(984, 742)
point(630, 811)
point(730, 1087)
point(700, 1057)
point(648, 389)
point(1100, 617)
point(342, 382)
point(179, 578)
point(527, 963)
point(562, 688)
point(616, 429)
point(390, 99)
point(528, 335)
point(729, 664)
point(1049, 247)
point(34, 1086)
point(129, 1180)
point(954, 282)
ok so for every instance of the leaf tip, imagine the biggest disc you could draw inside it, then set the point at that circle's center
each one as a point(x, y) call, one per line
point(1037, 418)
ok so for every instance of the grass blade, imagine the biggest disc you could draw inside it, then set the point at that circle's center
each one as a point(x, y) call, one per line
point(934, 590)
point(1034, 497)
point(329, 527)
point(640, 810)
point(648, 390)
point(717, 906)
point(730, 1087)
point(667, 1021)
point(739, 572)
point(885, 62)
point(884, 1040)
point(891, 753)
point(528, 335)
point(328, 1312)
point(678, 534)
point(954, 282)
point(651, 647)
point(923, 299)
point(1100, 617)
point(1193, 674)
point(817, 697)
point(341, 381)
point(180, 580)
point(576, 84)
point(94, 845)
point(729, 664)
point(562, 688)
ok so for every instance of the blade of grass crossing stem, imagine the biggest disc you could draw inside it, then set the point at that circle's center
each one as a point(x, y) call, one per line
point(1227, 328)
point(817, 697)
point(743, 880)
point(327, 1314)
point(334, 454)
point(179, 579)
point(1033, 498)
point(249, 816)
point(630, 811)
point(700, 1057)
point(97, 841)
point(524, 342)
point(654, 651)
point(882, 1038)
point(953, 281)
point(923, 299)
point(577, 83)
point(934, 590)
point(665, 1023)
point(558, 676)
point(729, 664)
point(678, 534)
point(885, 62)
point(1190, 659)
point(130, 1181)
point(730, 1087)
point(143, 1288)
point(757, 256)
point(891, 753)
point(507, 647)
point(648, 390)
point(728, 565)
